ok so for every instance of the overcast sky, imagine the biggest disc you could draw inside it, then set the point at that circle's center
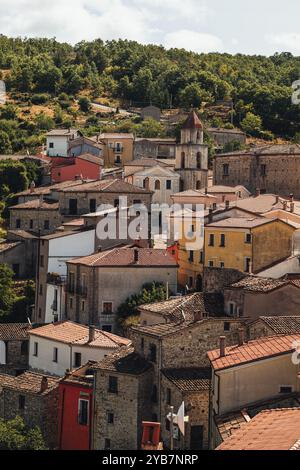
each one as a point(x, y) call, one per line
point(251, 27)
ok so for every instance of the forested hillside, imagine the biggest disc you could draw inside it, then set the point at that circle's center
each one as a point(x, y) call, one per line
point(51, 84)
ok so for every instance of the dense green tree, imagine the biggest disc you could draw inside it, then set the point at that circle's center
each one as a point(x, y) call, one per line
point(252, 124)
point(7, 294)
point(14, 435)
point(5, 143)
point(84, 104)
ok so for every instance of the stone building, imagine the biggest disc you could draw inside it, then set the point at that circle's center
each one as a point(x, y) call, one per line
point(192, 155)
point(272, 169)
point(221, 137)
point(38, 216)
point(14, 347)
point(152, 112)
point(117, 148)
point(156, 148)
point(87, 197)
point(191, 386)
point(271, 326)
point(255, 296)
point(92, 296)
point(121, 402)
point(34, 397)
point(13, 254)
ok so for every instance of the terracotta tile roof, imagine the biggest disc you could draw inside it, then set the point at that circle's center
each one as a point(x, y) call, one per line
point(120, 257)
point(73, 333)
point(195, 193)
point(272, 149)
point(91, 158)
point(264, 203)
point(112, 135)
point(125, 361)
point(283, 325)
point(189, 379)
point(14, 331)
point(30, 382)
point(269, 430)
point(171, 328)
point(37, 204)
point(5, 246)
point(253, 351)
point(108, 186)
point(62, 132)
point(226, 189)
point(22, 234)
point(262, 284)
point(5, 380)
point(192, 122)
point(185, 307)
point(240, 222)
point(228, 423)
point(42, 190)
point(84, 375)
point(147, 162)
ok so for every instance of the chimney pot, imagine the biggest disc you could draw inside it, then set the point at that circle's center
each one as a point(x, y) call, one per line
point(210, 215)
point(277, 199)
point(44, 384)
point(241, 336)
point(227, 204)
point(222, 346)
point(92, 333)
point(292, 197)
point(136, 255)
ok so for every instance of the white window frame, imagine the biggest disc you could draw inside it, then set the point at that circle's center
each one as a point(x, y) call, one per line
point(88, 411)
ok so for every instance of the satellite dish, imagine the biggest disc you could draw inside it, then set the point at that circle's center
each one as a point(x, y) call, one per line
point(180, 418)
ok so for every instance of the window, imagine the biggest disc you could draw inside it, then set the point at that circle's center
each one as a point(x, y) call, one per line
point(154, 394)
point(263, 170)
point(112, 384)
point(71, 302)
point(82, 305)
point(198, 185)
point(31, 224)
point(41, 261)
point(116, 203)
point(40, 312)
point(211, 241)
point(107, 308)
point(182, 160)
point(285, 389)
point(142, 344)
point(77, 359)
point(222, 241)
point(110, 418)
point(21, 402)
point(191, 282)
point(71, 282)
point(210, 264)
point(18, 223)
point(191, 257)
point(222, 264)
point(137, 201)
point(51, 145)
point(73, 206)
point(107, 328)
point(41, 289)
point(152, 357)
point(167, 425)
point(36, 349)
point(107, 444)
point(201, 260)
point(83, 412)
point(55, 354)
point(231, 308)
point(226, 326)
point(146, 183)
point(225, 169)
point(248, 238)
point(93, 205)
point(46, 225)
point(168, 184)
point(199, 160)
point(24, 348)
point(118, 159)
point(247, 265)
point(157, 185)
point(169, 396)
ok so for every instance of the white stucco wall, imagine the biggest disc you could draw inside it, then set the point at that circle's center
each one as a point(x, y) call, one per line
point(50, 295)
point(2, 352)
point(60, 148)
point(44, 360)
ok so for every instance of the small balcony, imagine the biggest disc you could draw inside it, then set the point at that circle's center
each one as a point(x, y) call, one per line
point(56, 279)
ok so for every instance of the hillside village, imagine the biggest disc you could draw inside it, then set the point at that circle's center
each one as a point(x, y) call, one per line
point(123, 330)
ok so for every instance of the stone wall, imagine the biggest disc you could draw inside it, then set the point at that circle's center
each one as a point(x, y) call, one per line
point(40, 410)
point(34, 220)
point(215, 279)
point(130, 406)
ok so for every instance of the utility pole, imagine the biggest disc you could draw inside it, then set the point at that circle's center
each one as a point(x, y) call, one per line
point(172, 429)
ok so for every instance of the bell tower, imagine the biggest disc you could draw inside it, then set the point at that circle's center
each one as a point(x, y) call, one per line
point(192, 155)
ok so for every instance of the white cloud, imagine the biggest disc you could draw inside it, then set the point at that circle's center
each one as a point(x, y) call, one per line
point(193, 41)
point(285, 41)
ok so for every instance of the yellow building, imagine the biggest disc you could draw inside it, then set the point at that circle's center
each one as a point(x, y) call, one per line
point(247, 244)
point(118, 148)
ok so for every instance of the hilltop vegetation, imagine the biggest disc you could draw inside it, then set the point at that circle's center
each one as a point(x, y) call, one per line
point(52, 84)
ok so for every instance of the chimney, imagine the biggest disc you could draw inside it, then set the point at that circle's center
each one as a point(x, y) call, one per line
point(241, 336)
point(44, 384)
point(32, 186)
point(257, 192)
point(198, 315)
point(210, 216)
point(206, 191)
point(222, 346)
point(292, 197)
point(284, 205)
point(277, 199)
point(92, 333)
point(226, 205)
point(292, 207)
point(136, 255)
